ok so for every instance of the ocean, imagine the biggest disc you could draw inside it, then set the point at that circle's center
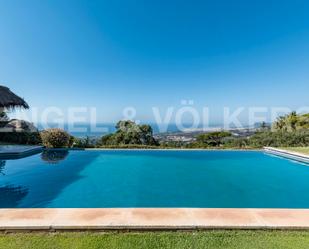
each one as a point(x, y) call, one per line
point(96, 130)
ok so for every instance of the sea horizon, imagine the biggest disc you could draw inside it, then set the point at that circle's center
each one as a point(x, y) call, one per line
point(101, 128)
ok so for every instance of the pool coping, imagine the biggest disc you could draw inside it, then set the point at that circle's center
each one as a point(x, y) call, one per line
point(288, 154)
point(67, 219)
point(20, 152)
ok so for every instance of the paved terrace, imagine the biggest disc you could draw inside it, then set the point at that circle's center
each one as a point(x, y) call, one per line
point(152, 218)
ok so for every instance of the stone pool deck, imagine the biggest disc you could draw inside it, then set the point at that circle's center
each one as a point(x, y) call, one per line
point(46, 219)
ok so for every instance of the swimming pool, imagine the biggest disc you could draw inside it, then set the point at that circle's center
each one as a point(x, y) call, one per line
point(201, 179)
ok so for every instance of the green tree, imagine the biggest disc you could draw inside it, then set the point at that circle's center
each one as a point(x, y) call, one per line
point(213, 139)
point(280, 123)
point(291, 122)
point(128, 132)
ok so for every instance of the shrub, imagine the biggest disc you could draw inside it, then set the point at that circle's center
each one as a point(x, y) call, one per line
point(298, 138)
point(31, 138)
point(86, 142)
point(213, 139)
point(55, 138)
point(237, 143)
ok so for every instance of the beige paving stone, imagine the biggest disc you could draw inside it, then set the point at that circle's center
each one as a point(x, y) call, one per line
point(27, 218)
point(297, 218)
point(151, 218)
point(225, 218)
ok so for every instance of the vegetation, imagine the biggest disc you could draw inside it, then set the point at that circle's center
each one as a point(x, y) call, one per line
point(280, 139)
point(212, 139)
point(129, 133)
point(232, 239)
point(56, 138)
point(175, 144)
point(288, 131)
point(291, 130)
point(30, 138)
point(84, 142)
point(259, 140)
point(3, 116)
point(292, 122)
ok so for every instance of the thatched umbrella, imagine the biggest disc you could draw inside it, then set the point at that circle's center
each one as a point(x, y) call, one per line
point(9, 100)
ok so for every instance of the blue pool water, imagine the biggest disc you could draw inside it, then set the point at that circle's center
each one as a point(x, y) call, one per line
point(220, 179)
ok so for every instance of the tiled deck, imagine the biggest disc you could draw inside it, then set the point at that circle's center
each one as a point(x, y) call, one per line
point(152, 218)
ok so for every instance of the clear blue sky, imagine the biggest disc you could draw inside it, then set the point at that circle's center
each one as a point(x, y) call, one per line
point(113, 54)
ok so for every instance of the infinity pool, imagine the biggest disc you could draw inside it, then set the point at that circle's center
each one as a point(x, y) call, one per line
point(216, 179)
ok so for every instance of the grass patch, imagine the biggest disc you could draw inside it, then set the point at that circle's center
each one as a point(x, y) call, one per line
point(304, 150)
point(178, 240)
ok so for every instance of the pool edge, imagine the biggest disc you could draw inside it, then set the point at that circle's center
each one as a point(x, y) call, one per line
point(287, 154)
point(50, 219)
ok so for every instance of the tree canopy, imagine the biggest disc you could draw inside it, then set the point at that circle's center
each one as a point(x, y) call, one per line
point(128, 132)
point(292, 122)
point(213, 138)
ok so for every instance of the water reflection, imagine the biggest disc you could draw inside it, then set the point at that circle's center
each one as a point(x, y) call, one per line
point(10, 195)
point(35, 181)
point(2, 166)
point(54, 156)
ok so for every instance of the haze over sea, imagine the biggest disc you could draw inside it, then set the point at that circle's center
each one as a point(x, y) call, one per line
point(99, 129)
